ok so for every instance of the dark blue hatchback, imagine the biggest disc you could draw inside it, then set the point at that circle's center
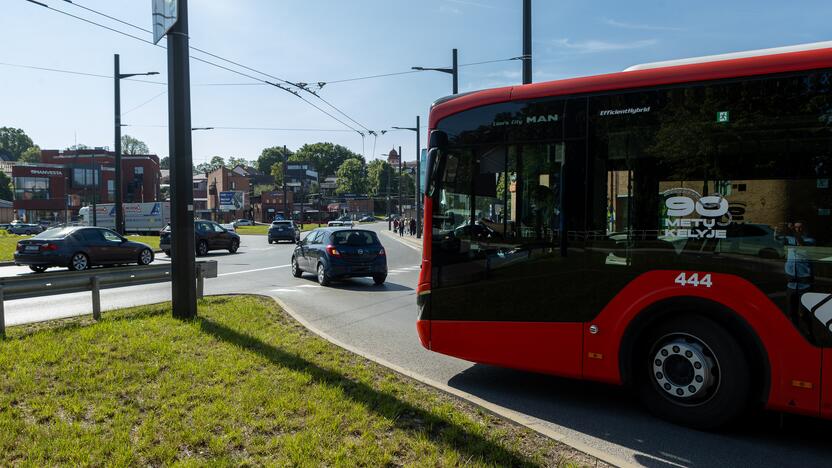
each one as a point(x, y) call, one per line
point(333, 253)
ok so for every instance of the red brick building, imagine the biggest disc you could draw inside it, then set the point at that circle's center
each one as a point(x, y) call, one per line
point(64, 181)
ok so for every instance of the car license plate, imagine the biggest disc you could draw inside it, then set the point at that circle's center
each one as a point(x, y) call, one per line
point(32, 248)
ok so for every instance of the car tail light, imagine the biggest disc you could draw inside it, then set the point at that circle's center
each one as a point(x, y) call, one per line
point(49, 247)
point(330, 249)
point(381, 251)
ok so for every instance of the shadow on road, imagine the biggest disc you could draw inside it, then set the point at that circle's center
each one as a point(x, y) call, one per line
point(360, 284)
point(611, 414)
point(440, 430)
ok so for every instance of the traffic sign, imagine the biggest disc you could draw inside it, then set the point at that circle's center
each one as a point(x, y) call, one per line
point(723, 117)
point(165, 14)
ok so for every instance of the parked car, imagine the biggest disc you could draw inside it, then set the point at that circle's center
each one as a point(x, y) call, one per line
point(25, 229)
point(367, 219)
point(242, 222)
point(283, 230)
point(334, 253)
point(80, 248)
point(229, 227)
point(339, 223)
point(208, 236)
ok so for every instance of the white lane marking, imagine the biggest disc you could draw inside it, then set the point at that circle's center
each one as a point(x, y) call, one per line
point(252, 271)
point(285, 290)
point(308, 286)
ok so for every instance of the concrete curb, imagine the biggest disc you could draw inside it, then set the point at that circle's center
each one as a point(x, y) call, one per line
point(500, 411)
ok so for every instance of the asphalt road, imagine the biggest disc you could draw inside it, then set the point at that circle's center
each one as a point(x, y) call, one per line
point(379, 320)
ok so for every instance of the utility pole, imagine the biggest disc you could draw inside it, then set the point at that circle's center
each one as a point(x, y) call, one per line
point(117, 146)
point(418, 180)
point(400, 181)
point(453, 71)
point(389, 176)
point(286, 214)
point(527, 41)
point(94, 189)
point(183, 269)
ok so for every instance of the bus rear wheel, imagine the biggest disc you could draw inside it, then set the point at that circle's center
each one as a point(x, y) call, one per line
point(691, 371)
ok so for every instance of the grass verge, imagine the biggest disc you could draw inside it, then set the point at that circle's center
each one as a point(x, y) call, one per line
point(242, 384)
point(152, 241)
point(8, 244)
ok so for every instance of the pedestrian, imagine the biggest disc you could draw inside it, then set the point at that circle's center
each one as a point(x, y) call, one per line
point(401, 228)
point(396, 225)
point(412, 227)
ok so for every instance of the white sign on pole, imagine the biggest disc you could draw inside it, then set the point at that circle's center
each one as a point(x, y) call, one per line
point(165, 14)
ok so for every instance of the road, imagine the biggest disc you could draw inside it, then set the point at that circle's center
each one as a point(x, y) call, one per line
point(379, 320)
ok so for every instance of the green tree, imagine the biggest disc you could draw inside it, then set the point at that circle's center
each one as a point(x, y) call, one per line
point(78, 146)
point(277, 172)
point(378, 173)
point(13, 142)
point(234, 162)
point(268, 157)
point(5, 187)
point(131, 145)
point(260, 188)
point(408, 185)
point(164, 163)
point(352, 177)
point(31, 155)
point(215, 163)
point(326, 157)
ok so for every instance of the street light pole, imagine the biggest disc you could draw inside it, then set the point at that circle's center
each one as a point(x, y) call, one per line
point(527, 41)
point(400, 182)
point(418, 191)
point(453, 71)
point(117, 77)
point(286, 214)
point(183, 269)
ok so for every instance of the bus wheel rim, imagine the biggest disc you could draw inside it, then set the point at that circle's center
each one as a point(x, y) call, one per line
point(685, 369)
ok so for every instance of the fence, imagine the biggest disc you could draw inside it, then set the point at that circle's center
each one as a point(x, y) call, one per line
point(63, 282)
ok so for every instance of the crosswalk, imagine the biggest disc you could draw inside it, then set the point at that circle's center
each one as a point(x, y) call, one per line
point(399, 271)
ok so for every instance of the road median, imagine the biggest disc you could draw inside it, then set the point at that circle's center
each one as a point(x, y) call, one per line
point(242, 384)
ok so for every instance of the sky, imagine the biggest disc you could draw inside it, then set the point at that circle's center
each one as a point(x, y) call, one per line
point(331, 40)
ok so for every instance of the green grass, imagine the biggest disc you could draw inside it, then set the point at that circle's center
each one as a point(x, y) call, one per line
point(8, 244)
point(152, 241)
point(243, 384)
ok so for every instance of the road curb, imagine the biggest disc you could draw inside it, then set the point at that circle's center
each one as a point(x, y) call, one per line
point(500, 411)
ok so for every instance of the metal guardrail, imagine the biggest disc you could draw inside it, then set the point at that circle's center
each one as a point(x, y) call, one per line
point(94, 280)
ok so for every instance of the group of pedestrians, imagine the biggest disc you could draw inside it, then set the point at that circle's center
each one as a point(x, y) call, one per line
point(404, 226)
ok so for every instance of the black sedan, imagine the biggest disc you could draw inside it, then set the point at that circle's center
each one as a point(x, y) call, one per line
point(334, 253)
point(208, 236)
point(283, 230)
point(79, 248)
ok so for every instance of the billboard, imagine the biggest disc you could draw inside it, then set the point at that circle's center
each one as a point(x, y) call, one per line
point(232, 201)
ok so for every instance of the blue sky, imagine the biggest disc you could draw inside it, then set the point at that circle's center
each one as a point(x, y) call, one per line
point(327, 40)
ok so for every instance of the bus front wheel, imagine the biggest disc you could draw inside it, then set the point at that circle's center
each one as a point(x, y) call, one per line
point(691, 371)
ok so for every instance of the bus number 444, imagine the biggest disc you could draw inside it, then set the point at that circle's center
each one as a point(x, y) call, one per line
point(694, 280)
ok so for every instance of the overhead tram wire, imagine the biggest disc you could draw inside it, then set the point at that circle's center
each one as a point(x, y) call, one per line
point(35, 2)
point(277, 78)
point(144, 103)
point(262, 129)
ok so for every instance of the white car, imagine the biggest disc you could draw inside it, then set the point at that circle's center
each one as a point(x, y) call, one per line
point(229, 227)
point(337, 223)
point(243, 222)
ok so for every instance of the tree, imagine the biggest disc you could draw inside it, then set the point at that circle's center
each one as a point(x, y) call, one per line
point(5, 187)
point(408, 185)
point(268, 157)
point(352, 177)
point(31, 155)
point(164, 163)
point(260, 188)
point(130, 145)
point(77, 147)
point(326, 157)
point(234, 162)
point(215, 163)
point(13, 142)
point(277, 172)
point(378, 173)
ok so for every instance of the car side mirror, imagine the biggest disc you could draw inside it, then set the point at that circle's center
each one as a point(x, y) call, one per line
point(299, 243)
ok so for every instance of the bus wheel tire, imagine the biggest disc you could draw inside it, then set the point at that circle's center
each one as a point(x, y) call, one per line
point(691, 371)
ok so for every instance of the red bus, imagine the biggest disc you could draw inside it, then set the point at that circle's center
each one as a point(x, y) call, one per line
point(667, 228)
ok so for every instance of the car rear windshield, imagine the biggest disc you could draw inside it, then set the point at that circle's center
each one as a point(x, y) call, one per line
point(354, 238)
point(55, 233)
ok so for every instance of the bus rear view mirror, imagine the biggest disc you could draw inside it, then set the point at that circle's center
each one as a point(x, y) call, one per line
point(438, 139)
